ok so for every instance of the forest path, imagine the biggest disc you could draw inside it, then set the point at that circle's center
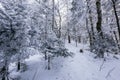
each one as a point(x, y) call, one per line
point(82, 66)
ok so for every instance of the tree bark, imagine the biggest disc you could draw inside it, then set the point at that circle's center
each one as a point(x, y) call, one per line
point(116, 16)
point(53, 15)
point(49, 63)
point(60, 24)
point(18, 66)
point(115, 36)
point(69, 39)
point(89, 34)
point(99, 28)
point(5, 70)
point(79, 39)
point(99, 17)
point(45, 55)
point(90, 18)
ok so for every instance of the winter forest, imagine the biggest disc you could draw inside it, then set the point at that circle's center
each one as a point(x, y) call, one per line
point(59, 39)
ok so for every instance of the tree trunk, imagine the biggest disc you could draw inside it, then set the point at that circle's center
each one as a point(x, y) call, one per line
point(79, 39)
point(69, 39)
point(89, 34)
point(3, 78)
point(90, 18)
point(99, 17)
point(91, 31)
point(49, 63)
point(99, 28)
point(115, 37)
point(60, 24)
point(53, 14)
point(45, 56)
point(5, 71)
point(76, 42)
point(18, 66)
point(116, 16)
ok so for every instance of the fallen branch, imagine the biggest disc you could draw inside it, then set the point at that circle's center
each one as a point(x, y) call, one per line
point(109, 72)
point(101, 65)
point(115, 57)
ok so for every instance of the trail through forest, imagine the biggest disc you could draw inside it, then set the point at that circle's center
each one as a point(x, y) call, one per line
point(82, 66)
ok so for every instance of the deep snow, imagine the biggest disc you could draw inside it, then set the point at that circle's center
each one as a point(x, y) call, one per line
point(82, 66)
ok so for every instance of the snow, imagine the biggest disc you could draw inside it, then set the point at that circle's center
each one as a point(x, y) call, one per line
point(1, 6)
point(12, 70)
point(82, 66)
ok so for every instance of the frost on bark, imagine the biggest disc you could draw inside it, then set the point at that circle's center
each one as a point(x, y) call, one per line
point(100, 50)
point(116, 16)
point(99, 17)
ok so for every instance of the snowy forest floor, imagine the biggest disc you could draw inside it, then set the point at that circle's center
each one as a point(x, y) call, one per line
point(82, 66)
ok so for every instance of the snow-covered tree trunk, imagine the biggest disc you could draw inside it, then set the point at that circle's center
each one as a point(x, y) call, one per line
point(53, 15)
point(116, 16)
point(91, 31)
point(49, 61)
point(89, 34)
point(69, 39)
point(18, 64)
point(5, 70)
point(100, 52)
point(99, 17)
point(60, 24)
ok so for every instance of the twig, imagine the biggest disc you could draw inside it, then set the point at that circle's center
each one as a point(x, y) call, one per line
point(109, 72)
point(115, 57)
point(101, 65)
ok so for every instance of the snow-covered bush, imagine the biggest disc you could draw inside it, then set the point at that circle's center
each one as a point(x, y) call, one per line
point(54, 47)
point(105, 44)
